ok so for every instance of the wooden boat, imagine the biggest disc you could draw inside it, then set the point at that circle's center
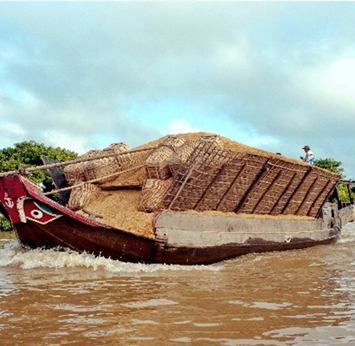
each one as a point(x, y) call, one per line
point(218, 205)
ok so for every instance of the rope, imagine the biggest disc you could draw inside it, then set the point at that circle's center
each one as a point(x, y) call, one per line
point(91, 181)
point(24, 171)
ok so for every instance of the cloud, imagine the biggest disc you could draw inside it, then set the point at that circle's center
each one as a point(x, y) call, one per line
point(276, 75)
point(177, 126)
point(339, 80)
point(56, 138)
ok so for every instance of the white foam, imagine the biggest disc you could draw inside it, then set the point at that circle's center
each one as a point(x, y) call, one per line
point(347, 233)
point(14, 255)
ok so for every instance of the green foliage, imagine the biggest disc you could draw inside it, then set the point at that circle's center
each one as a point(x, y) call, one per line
point(344, 194)
point(30, 153)
point(330, 165)
point(5, 224)
point(335, 167)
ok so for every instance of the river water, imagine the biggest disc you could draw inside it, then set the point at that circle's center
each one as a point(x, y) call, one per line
point(301, 297)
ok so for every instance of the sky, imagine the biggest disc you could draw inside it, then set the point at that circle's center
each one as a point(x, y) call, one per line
point(272, 75)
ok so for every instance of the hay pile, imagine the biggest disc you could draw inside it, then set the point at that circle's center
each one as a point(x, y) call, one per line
point(120, 210)
point(201, 172)
point(101, 170)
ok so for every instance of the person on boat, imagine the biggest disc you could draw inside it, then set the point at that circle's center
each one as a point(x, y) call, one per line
point(309, 158)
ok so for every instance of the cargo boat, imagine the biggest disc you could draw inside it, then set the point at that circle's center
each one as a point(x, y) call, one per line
point(209, 205)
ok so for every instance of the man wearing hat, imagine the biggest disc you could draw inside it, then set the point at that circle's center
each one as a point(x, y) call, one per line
point(309, 158)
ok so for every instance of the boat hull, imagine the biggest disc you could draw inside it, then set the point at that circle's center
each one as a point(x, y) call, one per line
point(65, 233)
point(180, 238)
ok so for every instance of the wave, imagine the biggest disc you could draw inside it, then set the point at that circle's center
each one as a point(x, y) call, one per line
point(12, 254)
point(347, 233)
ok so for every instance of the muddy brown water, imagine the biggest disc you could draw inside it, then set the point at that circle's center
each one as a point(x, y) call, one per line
point(302, 297)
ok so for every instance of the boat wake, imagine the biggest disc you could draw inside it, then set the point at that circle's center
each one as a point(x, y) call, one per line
point(12, 254)
point(347, 233)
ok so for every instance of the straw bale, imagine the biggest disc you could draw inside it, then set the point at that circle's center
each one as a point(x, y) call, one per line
point(299, 172)
point(281, 177)
point(157, 164)
point(124, 161)
point(173, 142)
point(165, 149)
point(193, 178)
point(228, 145)
point(329, 185)
point(187, 190)
point(117, 147)
point(137, 177)
point(82, 195)
point(107, 166)
point(209, 150)
point(300, 193)
point(180, 156)
point(75, 173)
point(215, 141)
point(259, 190)
point(245, 182)
point(316, 190)
point(153, 193)
point(101, 168)
point(222, 184)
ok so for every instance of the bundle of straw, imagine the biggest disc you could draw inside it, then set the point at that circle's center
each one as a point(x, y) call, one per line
point(157, 164)
point(153, 193)
point(75, 173)
point(82, 196)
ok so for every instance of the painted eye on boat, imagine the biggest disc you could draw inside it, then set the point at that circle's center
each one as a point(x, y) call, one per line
point(37, 214)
